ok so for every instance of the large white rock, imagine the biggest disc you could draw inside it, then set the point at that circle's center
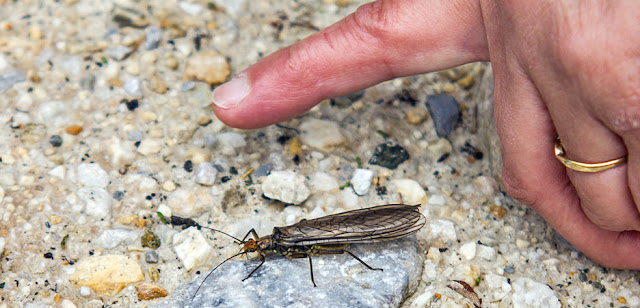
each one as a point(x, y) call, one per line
point(529, 293)
point(92, 175)
point(106, 275)
point(410, 191)
point(361, 181)
point(285, 186)
point(191, 247)
point(322, 181)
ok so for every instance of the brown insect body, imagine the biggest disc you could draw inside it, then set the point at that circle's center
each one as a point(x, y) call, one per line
point(332, 234)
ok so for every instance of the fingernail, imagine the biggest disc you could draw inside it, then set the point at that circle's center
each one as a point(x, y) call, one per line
point(231, 93)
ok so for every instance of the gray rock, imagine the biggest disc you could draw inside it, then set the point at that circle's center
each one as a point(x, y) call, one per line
point(205, 174)
point(263, 170)
point(152, 38)
point(119, 53)
point(389, 155)
point(88, 82)
point(151, 256)
point(10, 78)
point(445, 111)
point(341, 280)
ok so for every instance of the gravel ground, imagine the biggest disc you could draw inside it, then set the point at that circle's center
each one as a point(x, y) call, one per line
point(106, 121)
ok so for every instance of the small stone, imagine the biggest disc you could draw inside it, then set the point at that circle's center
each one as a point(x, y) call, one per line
point(119, 53)
point(417, 116)
point(187, 86)
point(157, 84)
point(111, 238)
point(97, 201)
point(439, 147)
point(149, 291)
point(9, 78)
point(444, 111)
point(92, 175)
point(437, 200)
point(35, 32)
point(468, 250)
point(55, 141)
point(169, 186)
point(389, 155)
point(486, 185)
point(204, 120)
point(208, 66)
point(191, 247)
point(53, 219)
point(361, 181)
point(205, 174)
point(285, 186)
point(149, 239)
point(486, 252)
point(410, 191)
point(467, 81)
point(106, 275)
point(522, 244)
point(88, 82)
point(7, 159)
point(263, 170)
point(434, 255)
point(443, 230)
point(509, 269)
point(171, 62)
point(58, 171)
point(497, 211)
point(118, 195)
point(149, 147)
point(133, 87)
point(85, 291)
point(322, 181)
point(151, 256)
point(191, 8)
point(127, 219)
point(347, 100)
point(73, 129)
point(529, 293)
point(232, 139)
point(321, 134)
point(152, 38)
point(294, 146)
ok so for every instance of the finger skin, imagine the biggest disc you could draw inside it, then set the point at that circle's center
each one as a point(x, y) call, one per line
point(380, 41)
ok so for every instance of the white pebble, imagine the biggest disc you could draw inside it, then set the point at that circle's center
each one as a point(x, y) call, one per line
point(322, 181)
point(97, 201)
point(468, 250)
point(191, 248)
point(439, 147)
point(3, 242)
point(410, 191)
point(85, 291)
point(149, 147)
point(92, 175)
point(529, 293)
point(443, 229)
point(437, 200)
point(111, 238)
point(485, 185)
point(191, 8)
point(522, 244)
point(67, 304)
point(133, 87)
point(232, 139)
point(58, 171)
point(164, 209)
point(361, 181)
point(205, 174)
point(321, 134)
point(285, 186)
point(486, 252)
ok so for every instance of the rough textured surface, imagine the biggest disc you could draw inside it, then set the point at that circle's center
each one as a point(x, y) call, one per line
point(341, 280)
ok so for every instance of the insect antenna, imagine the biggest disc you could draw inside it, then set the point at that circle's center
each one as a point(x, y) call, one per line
point(211, 272)
point(239, 241)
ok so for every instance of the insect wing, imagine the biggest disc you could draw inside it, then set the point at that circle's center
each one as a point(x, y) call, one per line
point(374, 224)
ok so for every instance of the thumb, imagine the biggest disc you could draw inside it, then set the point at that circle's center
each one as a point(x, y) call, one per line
point(380, 41)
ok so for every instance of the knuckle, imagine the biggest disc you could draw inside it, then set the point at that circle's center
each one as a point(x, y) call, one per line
point(626, 119)
point(516, 187)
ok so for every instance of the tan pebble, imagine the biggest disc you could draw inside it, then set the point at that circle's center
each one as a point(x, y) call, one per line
point(5, 25)
point(294, 146)
point(154, 273)
point(49, 151)
point(35, 32)
point(417, 116)
point(449, 88)
point(171, 62)
point(140, 223)
point(169, 186)
point(74, 129)
point(127, 219)
point(156, 84)
point(204, 120)
point(466, 81)
point(114, 82)
point(208, 66)
point(148, 291)
point(622, 300)
point(56, 298)
point(149, 116)
point(497, 211)
point(106, 275)
point(54, 219)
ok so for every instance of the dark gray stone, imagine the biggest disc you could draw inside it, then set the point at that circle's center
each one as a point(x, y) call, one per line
point(444, 110)
point(389, 155)
point(341, 280)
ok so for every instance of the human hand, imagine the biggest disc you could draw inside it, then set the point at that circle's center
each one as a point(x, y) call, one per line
point(568, 69)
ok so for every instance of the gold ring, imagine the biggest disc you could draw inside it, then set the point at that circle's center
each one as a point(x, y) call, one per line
point(585, 167)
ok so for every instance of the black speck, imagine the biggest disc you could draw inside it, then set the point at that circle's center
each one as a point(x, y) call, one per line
point(131, 104)
point(233, 170)
point(148, 198)
point(137, 143)
point(225, 179)
point(443, 157)
point(283, 139)
point(443, 249)
point(188, 166)
point(296, 159)
point(55, 141)
point(48, 255)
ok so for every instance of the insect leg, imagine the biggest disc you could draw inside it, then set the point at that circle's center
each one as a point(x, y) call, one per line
point(311, 271)
point(257, 267)
point(365, 264)
point(253, 233)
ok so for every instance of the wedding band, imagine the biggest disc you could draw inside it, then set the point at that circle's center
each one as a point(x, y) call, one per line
point(585, 167)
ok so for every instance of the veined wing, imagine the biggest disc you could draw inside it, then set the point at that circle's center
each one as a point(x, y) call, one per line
point(374, 224)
